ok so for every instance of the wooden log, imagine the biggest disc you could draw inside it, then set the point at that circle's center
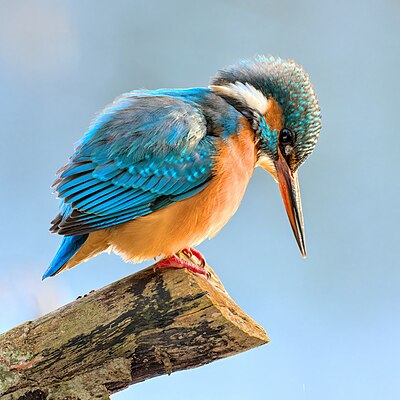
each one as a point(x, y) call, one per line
point(145, 325)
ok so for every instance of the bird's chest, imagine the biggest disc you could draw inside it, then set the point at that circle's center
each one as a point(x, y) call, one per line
point(203, 215)
point(234, 167)
point(190, 221)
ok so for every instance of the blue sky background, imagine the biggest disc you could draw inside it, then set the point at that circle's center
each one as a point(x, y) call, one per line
point(333, 318)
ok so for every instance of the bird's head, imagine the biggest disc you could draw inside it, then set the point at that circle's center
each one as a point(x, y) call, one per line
point(277, 99)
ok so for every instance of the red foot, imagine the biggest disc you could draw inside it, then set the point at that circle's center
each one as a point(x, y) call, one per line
point(175, 262)
point(190, 252)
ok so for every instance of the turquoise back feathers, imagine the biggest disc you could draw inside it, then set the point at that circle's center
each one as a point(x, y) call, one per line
point(144, 152)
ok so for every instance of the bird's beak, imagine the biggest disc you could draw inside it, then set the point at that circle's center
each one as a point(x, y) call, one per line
point(290, 191)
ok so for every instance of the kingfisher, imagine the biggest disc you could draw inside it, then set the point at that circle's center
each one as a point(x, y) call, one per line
point(159, 171)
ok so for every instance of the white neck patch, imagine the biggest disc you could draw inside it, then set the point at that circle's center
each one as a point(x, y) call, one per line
point(267, 163)
point(246, 93)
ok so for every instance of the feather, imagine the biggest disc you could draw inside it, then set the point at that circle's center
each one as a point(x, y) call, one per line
point(144, 152)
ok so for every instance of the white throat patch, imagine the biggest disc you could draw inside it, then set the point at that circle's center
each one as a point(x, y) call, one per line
point(246, 93)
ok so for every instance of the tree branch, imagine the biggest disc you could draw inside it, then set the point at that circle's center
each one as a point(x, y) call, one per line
point(145, 325)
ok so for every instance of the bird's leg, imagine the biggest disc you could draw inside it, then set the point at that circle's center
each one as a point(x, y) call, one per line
point(175, 262)
point(191, 251)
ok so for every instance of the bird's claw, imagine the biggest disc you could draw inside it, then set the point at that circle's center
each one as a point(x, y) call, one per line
point(190, 252)
point(176, 262)
point(187, 252)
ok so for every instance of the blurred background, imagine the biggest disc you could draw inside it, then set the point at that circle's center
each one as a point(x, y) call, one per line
point(333, 319)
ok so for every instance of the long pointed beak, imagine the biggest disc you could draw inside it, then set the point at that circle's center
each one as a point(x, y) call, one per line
point(290, 191)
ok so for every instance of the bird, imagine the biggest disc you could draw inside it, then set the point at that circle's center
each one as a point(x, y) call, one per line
point(159, 171)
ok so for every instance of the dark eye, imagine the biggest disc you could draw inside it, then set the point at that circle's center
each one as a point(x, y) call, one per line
point(286, 137)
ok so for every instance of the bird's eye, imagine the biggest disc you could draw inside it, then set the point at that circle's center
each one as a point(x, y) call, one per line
point(286, 137)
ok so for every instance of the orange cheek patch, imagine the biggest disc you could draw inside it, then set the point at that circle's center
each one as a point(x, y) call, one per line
point(273, 115)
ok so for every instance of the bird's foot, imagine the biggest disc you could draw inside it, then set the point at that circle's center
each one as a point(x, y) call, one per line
point(190, 252)
point(175, 262)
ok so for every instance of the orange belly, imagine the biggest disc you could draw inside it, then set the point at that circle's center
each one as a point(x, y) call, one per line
point(188, 222)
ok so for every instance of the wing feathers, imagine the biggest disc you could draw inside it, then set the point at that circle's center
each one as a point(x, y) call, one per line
point(141, 154)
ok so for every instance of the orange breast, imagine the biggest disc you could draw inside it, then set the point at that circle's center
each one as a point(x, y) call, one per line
point(190, 221)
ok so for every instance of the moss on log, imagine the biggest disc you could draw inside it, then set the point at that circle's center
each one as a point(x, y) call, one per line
point(145, 325)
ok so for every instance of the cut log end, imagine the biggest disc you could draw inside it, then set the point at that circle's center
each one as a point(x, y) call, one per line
point(145, 325)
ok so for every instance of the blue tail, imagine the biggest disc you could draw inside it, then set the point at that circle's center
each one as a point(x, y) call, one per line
point(69, 246)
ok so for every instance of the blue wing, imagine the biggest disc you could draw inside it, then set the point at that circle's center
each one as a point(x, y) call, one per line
point(144, 152)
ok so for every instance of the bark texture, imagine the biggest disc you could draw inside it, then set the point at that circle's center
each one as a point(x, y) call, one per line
point(145, 325)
